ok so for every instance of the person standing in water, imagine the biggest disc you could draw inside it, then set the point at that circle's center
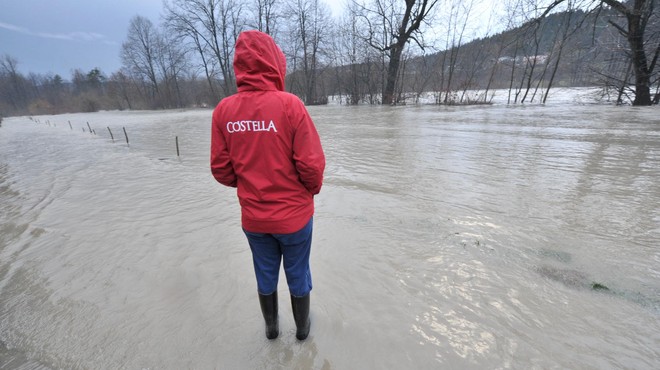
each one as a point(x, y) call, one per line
point(265, 144)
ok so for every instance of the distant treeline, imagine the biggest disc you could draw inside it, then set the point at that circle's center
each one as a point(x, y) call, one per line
point(361, 57)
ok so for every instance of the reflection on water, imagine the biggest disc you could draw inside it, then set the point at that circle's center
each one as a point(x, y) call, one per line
point(463, 237)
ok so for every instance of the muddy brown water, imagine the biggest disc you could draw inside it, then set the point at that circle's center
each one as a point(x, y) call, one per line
point(462, 238)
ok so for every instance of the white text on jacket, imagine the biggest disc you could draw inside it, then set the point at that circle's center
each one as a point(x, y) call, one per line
point(250, 126)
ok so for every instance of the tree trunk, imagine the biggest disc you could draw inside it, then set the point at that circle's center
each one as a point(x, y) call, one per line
point(637, 17)
point(640, 64)
point(392, 72)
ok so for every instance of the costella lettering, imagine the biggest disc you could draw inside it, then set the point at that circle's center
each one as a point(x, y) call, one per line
point(250, 126)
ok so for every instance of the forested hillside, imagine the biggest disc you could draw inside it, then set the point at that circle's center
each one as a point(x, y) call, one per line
point(562, 50)
point(359, 57)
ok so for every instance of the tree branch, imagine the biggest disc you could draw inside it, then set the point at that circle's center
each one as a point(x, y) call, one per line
point(621, 30)
point(655, 59)
point(550, 8)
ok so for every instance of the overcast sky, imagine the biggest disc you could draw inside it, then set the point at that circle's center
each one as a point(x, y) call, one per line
point(58, 36)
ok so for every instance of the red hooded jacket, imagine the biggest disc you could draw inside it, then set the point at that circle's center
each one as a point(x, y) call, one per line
point(264, 143)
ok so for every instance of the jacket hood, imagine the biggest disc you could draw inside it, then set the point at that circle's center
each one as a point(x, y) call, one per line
point(259, 63)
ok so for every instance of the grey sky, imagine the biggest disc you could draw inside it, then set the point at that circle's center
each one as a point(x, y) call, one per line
point(57, 36)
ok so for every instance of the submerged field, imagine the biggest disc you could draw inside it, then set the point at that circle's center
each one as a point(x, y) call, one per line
point(445, 237)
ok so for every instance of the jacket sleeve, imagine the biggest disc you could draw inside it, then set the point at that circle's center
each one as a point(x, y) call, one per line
point(221, 166)
point(307, 151)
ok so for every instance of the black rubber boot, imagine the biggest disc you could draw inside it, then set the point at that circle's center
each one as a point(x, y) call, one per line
point(269, 310)
point(300, 306)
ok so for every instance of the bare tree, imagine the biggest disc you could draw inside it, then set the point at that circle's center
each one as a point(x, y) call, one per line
point(637, 14)
point(121, 90)
point(265, 16)
point(310, 23)
point(140, 53)
point(172, 64)
point(357, 72)
point(637, 18)
point(457, 18)
point(185, 28)
point(388, 27)
point(424, 68)
point(13, 84)
point(212, 26)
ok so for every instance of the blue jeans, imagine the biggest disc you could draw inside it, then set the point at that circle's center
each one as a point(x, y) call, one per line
point(268, 250)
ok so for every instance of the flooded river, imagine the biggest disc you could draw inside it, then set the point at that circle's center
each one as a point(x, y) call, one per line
point(487, 237)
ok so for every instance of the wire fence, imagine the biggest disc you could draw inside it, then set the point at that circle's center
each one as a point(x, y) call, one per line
point(87, 128)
